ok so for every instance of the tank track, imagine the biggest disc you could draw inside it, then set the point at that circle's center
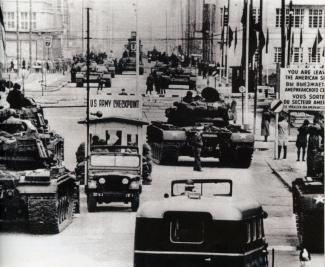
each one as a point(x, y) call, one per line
point(48, 214)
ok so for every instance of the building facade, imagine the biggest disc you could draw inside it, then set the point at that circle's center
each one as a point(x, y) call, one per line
point(31, 23)
point(308, 18)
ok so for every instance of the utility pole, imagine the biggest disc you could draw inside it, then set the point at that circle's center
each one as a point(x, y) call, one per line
point(188, 27)
point(30, 33)
point(289, 33)
point(166, 32)
point(88, 92)
point(247, 60)
point(82, 26)
point(17, 40)
point(283, 36)
point(227, 40)
point(137, 54)
point(260, 52)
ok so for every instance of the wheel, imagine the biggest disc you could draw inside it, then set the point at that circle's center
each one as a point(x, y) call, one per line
point(91, 203)
point(135, 202)
point(108, 84)
point(79, 83)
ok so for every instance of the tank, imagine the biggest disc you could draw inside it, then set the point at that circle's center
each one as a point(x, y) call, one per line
point(210, 116)
point(36, 190)
point(308, 206)
point(128, 60)
point(179, 76)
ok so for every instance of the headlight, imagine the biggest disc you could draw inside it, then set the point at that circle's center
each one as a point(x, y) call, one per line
point(134, 185)
point(92, 184)
point(125, 181)
point(102, 180)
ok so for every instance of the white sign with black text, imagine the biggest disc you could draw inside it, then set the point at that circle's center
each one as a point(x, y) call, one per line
point(303, 88)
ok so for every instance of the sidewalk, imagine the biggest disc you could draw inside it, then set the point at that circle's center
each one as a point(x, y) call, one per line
point(287, 170)
point(35, 81)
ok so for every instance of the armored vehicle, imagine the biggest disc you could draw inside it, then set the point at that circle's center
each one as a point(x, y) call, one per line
point(96, 72)
point(200, 224)
point(308, 206)
point(110, 65)
point(76, 67)
point(128, 60)
point(35, 189)
point(210, 116)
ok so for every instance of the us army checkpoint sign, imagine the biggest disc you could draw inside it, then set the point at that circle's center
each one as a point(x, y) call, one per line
point(302, 88)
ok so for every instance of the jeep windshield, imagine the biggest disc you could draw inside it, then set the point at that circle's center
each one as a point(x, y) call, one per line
point(115, 160)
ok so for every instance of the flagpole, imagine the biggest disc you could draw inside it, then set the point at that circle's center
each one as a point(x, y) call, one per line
point(289, 33)
point(260, 59)
point(247, 61)
point(227, 40)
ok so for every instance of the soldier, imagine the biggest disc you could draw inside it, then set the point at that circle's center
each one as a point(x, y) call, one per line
point(100, 82)
point(147, 163)
point(149, 84)
point(188, 98)
point(315, 131)
point(15, 98)
point(301, 142)
point(196, 142)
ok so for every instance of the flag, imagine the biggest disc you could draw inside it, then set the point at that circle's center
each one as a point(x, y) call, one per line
point(300, 41)
point(267, 41)
point(292, 42)
point(261, 37)
point(1, 18)
point(235, 38)
point(231, 36)
point(318, 39)
point(222, 38)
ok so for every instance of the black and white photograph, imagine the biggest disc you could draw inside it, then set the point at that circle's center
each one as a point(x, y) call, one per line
point(162, 133)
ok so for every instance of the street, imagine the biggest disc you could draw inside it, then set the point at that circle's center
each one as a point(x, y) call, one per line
point(105, 238)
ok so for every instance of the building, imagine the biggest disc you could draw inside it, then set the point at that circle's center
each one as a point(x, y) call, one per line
point(308, 17)
point(37, 22)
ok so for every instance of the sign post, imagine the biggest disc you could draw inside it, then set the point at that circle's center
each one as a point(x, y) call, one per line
point(242, 90)
point(277, 107)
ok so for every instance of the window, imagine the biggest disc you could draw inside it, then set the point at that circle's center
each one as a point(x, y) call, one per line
point(24, 20)
point(316, 58)
point(187, 231)
point(277, 54)
point(34, 20)
point(297, 55)
point(9, 20)
point(223, 16)
point(297, 17)
point(316, 18)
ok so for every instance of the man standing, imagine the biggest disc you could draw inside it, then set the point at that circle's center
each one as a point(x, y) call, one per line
point(100, 82)
point(195, 140)
point(149, 83)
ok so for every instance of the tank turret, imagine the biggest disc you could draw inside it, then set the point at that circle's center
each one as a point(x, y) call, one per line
point(209, 113)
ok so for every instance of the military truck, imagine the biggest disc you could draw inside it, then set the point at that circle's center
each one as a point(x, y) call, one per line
point(35, 188)
point(308, 206)
point(95, 72)
point(232, 144)
point(200, 223)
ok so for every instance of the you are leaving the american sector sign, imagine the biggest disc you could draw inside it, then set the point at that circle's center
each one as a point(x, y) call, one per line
point(115, 105)
point(303, 88)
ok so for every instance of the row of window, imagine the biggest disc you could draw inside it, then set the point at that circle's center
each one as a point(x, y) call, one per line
point(315, 18)
point(10, 20)
point(297, 55)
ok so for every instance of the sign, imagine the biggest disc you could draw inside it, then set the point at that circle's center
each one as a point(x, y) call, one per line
point(115, 106)
point(277, 105)
point(48, 41)
point(303, 88)
point(242, 89)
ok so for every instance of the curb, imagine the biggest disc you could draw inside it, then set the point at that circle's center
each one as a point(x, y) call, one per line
point(56, 88)
point(277, 174)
